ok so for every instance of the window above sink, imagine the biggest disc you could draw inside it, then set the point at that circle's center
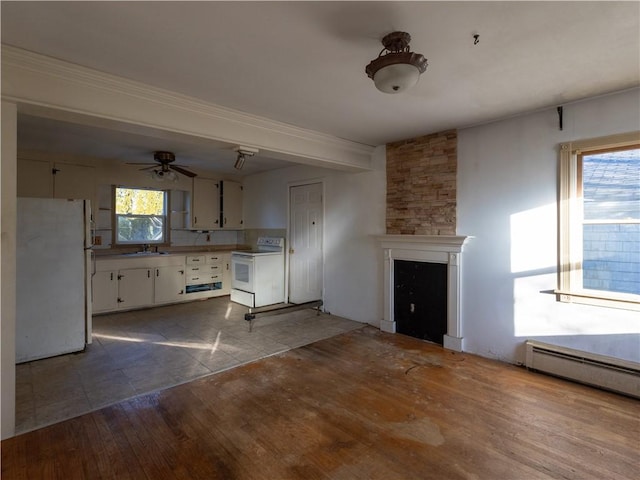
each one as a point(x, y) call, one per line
point(140, 216)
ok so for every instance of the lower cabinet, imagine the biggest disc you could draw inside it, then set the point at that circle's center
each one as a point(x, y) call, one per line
point(158, 280)
point(135, 287)
point(168, 284)
point(204, 275)
point(104, 288)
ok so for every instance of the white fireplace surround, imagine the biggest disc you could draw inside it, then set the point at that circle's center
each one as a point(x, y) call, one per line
point(445, 249)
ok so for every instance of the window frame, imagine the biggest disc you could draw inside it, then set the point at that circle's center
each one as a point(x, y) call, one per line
point(570, 216)
point(165, 217)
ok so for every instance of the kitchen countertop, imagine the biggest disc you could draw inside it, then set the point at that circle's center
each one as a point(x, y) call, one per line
point(165, 251)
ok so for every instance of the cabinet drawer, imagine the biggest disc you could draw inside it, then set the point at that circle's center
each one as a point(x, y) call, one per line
point(214, 258)
point(213, 269)
point(196, 259)
point(196, 269)
point(200, 279)
point(204, 269)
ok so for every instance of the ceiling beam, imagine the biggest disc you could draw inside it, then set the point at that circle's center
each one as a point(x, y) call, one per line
point(36, 82)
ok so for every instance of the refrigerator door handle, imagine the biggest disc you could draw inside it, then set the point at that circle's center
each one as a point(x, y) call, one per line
point(90, 226)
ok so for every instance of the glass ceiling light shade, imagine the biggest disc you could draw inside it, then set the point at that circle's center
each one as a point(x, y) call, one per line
point(164, 175)
point(396, 69)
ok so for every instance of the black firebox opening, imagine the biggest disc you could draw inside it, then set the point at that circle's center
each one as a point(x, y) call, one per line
point(420, 299)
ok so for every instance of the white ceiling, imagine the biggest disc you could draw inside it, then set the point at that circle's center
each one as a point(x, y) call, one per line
point(303, 63)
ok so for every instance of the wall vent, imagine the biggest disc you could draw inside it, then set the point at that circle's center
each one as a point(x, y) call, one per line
point(592, 369)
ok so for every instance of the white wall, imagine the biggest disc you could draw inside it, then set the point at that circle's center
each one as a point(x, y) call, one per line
point(354, 205)
point(507, 192)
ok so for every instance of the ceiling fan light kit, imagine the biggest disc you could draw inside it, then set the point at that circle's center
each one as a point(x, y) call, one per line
point(397, 68)
point(165, 172)
point(161, 175)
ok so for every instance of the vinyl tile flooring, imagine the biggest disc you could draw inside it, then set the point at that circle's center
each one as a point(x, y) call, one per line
point(142, 351)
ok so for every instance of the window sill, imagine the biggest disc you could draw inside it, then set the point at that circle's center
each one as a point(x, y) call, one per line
point(625, 301)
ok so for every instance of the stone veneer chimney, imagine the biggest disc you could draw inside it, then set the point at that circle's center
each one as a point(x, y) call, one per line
point(421, 220)
point(421, 185)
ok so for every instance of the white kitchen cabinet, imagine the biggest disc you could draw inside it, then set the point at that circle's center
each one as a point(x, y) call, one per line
point(214, 268)
point(205, 204)
point(34, 178)
point(231, 205)
point(74, 181)
point(135, 287)
point(226, 274)
point(204, 275)
point(104, 288)
point(169, 284)
point(44, 179)
point(123, 282)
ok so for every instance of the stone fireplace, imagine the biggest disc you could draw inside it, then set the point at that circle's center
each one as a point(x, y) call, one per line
point(445, 249)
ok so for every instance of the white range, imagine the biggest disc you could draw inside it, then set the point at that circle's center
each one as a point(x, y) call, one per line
point(257, 277)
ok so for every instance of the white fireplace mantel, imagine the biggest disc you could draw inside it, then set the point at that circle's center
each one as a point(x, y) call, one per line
point(445, 249)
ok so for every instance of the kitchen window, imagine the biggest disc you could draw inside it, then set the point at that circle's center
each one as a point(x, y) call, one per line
point(599, 230)
point(140, 215)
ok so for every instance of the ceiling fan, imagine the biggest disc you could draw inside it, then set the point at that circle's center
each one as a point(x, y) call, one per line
point(165, 171)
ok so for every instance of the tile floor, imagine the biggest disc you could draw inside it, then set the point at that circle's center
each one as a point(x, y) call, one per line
point(138, 352)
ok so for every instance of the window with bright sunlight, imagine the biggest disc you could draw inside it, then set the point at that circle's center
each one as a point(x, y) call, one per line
point(140, 215)
point(600, 221)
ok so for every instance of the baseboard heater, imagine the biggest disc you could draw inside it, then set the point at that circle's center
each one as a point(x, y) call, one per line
point(589, 368)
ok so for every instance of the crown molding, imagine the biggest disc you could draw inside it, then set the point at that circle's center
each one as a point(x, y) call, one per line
point(32, 79)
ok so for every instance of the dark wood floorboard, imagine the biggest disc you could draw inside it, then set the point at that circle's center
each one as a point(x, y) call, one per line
point(362, 405)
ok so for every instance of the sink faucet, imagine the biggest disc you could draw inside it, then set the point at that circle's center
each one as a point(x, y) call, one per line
point(145, 247)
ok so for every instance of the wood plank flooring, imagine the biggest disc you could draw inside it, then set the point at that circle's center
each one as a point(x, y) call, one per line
point(362, 405)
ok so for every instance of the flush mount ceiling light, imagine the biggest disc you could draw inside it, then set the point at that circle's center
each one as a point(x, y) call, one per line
point(243, 153)
point(396, 69)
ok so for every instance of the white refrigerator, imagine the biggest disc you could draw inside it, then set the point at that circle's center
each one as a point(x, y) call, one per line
point(53, 277)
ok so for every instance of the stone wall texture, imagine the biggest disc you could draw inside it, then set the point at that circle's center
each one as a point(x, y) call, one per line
point(421, 185)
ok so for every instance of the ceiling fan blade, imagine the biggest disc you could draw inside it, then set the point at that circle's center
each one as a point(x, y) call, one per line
point(147, 168)
point(182, 171)
point(139, 163)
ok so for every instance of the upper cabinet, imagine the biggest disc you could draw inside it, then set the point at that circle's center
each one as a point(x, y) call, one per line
point(44, 179)
point(74, 181)
point(34, 179)
point(205, 204)
point(231, 205)
point(216, 205)
point(210, 204)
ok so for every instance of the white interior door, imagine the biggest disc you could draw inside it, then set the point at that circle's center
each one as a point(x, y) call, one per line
point(305, 243)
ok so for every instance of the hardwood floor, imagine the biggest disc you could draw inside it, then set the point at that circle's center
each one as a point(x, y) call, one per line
point(362, 405)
